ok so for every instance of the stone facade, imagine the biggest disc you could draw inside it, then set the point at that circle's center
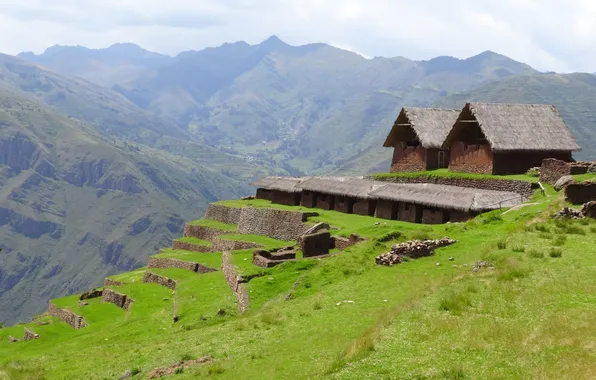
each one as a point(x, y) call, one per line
point(521, 162)
point(553, 169)
point(149, 277)
point(316, 244)
point(263, 194)
point(285, 198)
point(308, 199)
point(276, 224)
point(118, 299)
point(224, 214)
point(220, 245)
point(523, 188)
point(408, 212)
point(234, 281)
point(30, 335)
point(434, 216)
point(75, 321)
point(580, 193)
point(108, 282)
point(456, 216)
point(408, 159)
point(386, 209)
point(471, 158)
point(202, 232)
point(186, 246)
point(163, 263)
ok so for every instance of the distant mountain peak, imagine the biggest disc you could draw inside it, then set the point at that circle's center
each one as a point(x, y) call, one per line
point(273, 42)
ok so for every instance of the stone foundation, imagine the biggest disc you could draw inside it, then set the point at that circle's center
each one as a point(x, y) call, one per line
point(95, 293)
point(164, 263)
point(234, 281)
point(30, 335)
point(118, 299)
point(342, 243)
point(149, 277)
point(224, 214)
point(186, 246)
point(269, 259)
point(108, 282)
point(580, 193)
point(315, 244)
point(202, 232)
point(276, 224)
point(523, 188)
point(75, 321)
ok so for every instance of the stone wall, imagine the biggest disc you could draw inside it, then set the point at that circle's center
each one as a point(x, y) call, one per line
point(516, 186)
point(553, 169)
point(580, 193)
point(521, 162)
point(224, 214)
point(408, 212)
point(164, 263)
point(234, 281)
point(202, 232)
point(75, 321)
point(186, 246)
point(386, 209)
point(408, 159)
point(276, 224)
point(285, 198)
point(363, 207)
point(342, 243)
point(316, 244)
point(456, 216)
point(263, 194)
point(30, 335)
point(118, 299)
point(308, 199)
point(325, 201)
point(108, 282)
point(220, 245)
point(149, 277)
point(471, 158)
point(433, 216)
point(343, 204)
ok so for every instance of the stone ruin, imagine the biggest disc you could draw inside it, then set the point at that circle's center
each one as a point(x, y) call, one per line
point(342, 243)
point(118, 299)
point(412, 249)
point(268, 259)
point(30, 335)
point(588, 210)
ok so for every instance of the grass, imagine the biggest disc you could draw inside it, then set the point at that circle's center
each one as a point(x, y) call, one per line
point(196, 241)
point(526, 318)
point(445, 173)
point(215, 224)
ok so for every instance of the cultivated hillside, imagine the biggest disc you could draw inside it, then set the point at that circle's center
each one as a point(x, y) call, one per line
point(76, 205)
point(512, 298)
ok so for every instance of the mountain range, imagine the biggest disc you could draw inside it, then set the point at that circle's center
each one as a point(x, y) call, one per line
point(105, 152)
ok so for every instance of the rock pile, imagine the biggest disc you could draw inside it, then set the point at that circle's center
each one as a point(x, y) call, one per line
point(588, 210)
point(412, 249)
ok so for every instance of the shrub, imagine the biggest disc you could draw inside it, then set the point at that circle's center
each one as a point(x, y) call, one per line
point(560, 240)
point(502, 244)
point(555, 252)
point(519, 249)
point(535, 254)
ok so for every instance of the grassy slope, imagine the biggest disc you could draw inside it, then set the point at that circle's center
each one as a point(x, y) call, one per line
point(530, 317)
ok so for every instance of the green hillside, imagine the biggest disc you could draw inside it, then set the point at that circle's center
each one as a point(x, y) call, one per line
point(76, 206)
point(527, 313)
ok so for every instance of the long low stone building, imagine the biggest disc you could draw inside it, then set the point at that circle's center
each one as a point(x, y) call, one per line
point(416, 202)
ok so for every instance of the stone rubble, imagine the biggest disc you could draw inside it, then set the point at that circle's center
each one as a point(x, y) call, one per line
point(588, 210)
point(481, 265)
point(412, 249)
point(171, 370)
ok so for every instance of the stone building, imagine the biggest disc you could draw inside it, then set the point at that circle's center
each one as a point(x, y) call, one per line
point(417, 137)
point(507, 138)
point(281, 190)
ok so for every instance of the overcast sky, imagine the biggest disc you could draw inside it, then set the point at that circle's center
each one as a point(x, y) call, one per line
point(543, 33)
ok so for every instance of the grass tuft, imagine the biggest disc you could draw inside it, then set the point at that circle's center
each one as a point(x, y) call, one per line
point(519, 249)
point(535, 254)
point(455, 302)
point(555, 252)
point(502, 244)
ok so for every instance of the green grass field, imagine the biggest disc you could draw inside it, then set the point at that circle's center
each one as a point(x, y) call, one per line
point(215, 224)
point(532, 316)
point(445, 173)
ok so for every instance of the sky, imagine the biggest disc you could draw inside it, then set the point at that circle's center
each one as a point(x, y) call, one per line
point(549, 35)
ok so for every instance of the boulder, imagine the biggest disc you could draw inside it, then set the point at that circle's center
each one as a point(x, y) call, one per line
point(562, 182)
point(589, 209)
point(568, 213)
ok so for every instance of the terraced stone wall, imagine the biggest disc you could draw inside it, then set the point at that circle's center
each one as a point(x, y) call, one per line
point(202, 232)
point(220, 244)
point(276, 224)
point(75, 321)
point(164, 263)
point(186, 246)
point(108, 282)
point(118, 299)
point(233, 281)
point(149, 277)
point(224, 214)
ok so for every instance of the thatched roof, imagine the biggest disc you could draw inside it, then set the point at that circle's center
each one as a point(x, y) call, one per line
point(517, 127)
point(355, 187)
point(287, 184)
point(431, 195)
point(431, 125)
point(450, 197)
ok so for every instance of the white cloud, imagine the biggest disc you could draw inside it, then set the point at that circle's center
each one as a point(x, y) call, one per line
point(543, 33)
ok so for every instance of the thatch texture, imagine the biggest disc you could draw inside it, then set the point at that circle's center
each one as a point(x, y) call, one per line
point(431, 126)
point(287, 184)
point(517, 127)
point(431, 195)
point(354, 187)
